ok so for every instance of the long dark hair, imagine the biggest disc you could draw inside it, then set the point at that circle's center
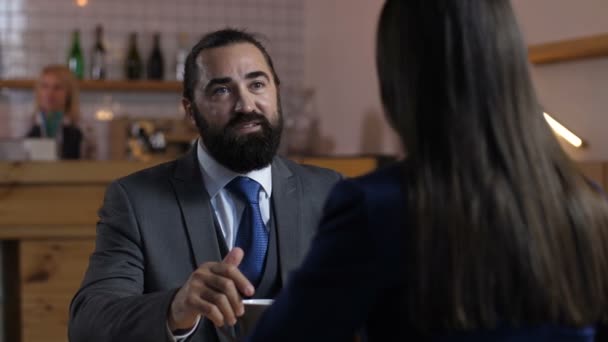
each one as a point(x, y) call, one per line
point(501, 227)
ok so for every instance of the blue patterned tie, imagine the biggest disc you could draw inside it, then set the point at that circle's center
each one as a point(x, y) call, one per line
point(252, 236)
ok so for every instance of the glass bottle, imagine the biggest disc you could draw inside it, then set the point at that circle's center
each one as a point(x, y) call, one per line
point(156, 63)
point(181, 55)
point(75, 58)
point(98, 56)
point(133, 63)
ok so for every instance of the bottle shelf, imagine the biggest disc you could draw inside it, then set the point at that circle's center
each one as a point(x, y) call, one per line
point(105, 85)
point(568, 50)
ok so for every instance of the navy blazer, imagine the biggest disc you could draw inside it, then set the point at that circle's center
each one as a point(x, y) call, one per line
point(353, 273)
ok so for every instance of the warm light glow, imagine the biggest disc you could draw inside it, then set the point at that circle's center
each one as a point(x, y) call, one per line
point(82, 3)
point(563, 131)
point(104, 115)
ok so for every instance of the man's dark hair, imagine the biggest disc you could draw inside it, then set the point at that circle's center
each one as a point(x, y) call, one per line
point(217, 39)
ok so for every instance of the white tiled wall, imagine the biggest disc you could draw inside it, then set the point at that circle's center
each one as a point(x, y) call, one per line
point(34, 33)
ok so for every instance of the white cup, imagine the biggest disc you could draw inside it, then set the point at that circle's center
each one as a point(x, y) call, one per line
point(254, 308)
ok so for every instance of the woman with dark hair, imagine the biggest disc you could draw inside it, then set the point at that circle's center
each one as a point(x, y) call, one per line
point(485, 232)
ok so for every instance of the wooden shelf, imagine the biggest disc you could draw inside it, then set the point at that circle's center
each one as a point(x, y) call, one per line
point(568, 50)
point(108, 85)
point(181, 138)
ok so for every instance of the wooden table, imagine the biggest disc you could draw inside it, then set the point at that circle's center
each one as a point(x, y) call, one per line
point(47, 226)
point(48, 212)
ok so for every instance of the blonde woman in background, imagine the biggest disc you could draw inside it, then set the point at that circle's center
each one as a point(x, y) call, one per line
point(57, 113)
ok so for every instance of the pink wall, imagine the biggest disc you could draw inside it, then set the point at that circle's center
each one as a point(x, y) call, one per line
point(547, 20)
point(576, 93)
point(339, 64)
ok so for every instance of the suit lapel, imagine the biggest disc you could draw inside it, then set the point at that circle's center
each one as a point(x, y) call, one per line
point(286, 201)
point(196, 209)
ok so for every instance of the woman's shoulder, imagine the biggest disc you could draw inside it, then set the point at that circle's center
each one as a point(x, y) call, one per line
point(383, 184)
point(379, 193)
point(392, 172)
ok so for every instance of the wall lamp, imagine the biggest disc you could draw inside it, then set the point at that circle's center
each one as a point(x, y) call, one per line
point(565, 133)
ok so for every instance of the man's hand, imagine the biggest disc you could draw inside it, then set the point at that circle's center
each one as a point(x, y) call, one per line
point(213, 291)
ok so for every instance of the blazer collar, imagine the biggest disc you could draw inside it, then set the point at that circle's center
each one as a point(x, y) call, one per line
point(198, 214)
point(287, 204)
point(196, 209)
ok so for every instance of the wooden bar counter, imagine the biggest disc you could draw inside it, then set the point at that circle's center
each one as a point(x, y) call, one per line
point(48, 212)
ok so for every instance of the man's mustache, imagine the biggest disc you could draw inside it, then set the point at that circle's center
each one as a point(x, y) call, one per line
point(245, 118)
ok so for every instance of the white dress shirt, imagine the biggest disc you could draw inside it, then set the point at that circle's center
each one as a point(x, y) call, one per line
point(225, 205)
point(226, 209)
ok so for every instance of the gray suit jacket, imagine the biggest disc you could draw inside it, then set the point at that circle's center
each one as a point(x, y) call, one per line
point(156, 226)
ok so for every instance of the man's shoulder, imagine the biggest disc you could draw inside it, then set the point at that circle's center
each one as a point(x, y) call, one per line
point(149, 176)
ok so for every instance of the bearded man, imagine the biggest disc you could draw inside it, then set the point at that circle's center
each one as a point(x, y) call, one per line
point(180, 244)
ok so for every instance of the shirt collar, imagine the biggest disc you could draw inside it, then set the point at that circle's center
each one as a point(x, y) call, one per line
point(216, 176)
point(39, 121)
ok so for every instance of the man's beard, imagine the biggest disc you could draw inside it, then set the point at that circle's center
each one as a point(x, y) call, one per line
point(241, 153)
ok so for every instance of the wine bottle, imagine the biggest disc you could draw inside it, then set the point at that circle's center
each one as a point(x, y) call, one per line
point(156, 63)
point(98, 56)
point(75, 58)
point(133, 63)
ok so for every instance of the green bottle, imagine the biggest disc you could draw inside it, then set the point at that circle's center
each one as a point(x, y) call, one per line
point(75, 58)
point(134, 67)
point(156, 63)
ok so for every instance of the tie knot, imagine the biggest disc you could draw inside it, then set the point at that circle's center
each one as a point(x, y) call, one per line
point(245, 187)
